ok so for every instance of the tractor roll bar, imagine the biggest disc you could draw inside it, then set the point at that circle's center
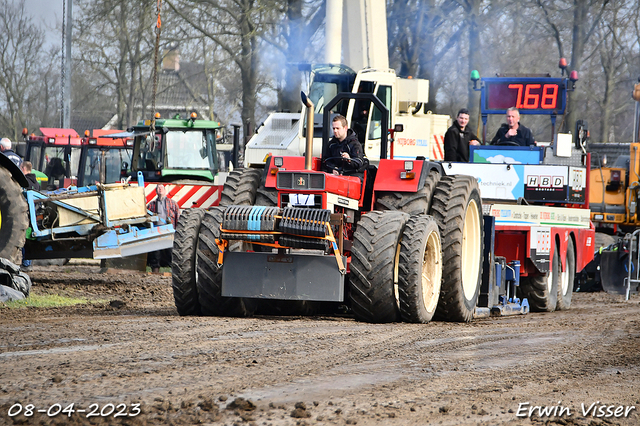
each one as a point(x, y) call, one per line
point(326, 125)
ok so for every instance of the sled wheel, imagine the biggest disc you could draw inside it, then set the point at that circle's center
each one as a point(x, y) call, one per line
point(209, 280)
point(184, 272)
point(240, 187)
point(374, 266)
point(565, 284)
point(457, 208)
point(413, 203)
point(420, 269)
point(542, 290)
point(13, 217)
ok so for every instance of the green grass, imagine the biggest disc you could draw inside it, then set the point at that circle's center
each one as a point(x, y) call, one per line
point(49, 301)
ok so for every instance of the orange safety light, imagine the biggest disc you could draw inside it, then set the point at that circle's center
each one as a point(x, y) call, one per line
point(194, 115)
point(25, 131)
point(157, 115)
point(86, 133)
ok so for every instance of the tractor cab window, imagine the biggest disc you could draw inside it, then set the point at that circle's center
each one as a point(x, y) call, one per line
point(376, 127)
point(55, 162)
point(55, 166)
point(34, 155)
point(115, 160)
point(360, 117)
point(188, 150)
point(149, 152)
point(327, 82)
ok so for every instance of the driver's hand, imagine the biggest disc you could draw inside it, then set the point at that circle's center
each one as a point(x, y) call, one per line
point(474, 142)
point(346, 155)
point(335, 172)
point(512, 132)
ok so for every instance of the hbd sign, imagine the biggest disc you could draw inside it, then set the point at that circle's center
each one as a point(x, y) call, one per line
point(545, 181)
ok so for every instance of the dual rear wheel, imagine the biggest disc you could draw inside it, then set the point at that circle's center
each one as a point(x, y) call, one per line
point(419, 267)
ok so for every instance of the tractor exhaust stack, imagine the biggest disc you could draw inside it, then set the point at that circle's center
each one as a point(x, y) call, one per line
point(308, 151)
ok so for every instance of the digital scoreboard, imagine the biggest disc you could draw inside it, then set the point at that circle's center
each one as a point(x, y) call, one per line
point(531, 95)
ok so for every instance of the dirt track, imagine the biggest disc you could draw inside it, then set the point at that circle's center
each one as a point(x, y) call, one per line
point(137, 350)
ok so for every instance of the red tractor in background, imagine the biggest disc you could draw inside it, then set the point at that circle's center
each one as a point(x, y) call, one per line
point(394, 245)
point(104, 159)
point(55, 156)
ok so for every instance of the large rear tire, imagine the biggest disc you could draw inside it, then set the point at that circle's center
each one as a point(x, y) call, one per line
point(13, 217)
point(542, 290)
point(240, 187)
point(209, 281)
point(420, 268)
point(565, 283)
point(413, 203)
point(457, 208)
point(184, 270)
point(374, 266)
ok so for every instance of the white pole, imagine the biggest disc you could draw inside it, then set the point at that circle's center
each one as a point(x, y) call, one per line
point(333, 32)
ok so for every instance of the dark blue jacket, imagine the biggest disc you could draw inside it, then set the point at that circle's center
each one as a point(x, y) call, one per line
point(523, 138)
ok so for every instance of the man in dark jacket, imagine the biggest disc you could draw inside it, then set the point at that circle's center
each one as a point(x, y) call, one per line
point(5, 148)
point(458, 138)
point(345, 156)
point(27, 169)
point(512, 132)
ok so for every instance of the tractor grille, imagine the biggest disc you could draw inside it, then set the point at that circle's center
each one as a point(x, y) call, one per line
point(301, 200)
point(301, 181)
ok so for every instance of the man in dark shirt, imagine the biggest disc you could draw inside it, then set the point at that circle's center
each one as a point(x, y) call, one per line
point(27, 169)
point(458, 138)
point(345, 156)
point(5, 148)
point(513, 133)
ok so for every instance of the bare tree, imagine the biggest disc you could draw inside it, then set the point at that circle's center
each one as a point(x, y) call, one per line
point(115, 39)
point(582, 18)
point(235, 26)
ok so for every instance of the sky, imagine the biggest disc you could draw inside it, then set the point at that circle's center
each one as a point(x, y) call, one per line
point(49, 12)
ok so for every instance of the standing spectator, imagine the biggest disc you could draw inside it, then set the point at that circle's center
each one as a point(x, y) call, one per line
point(512, 132)
point(5, 148)
point(458, 138)
point(168, 211)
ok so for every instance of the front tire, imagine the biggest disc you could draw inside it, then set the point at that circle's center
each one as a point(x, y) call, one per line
point(374, 266)
point(457, 208)
point(13, 217)
point(565, 284)
point(420, 275)
point(184, 271)
point(542, 290)
point(209, 281)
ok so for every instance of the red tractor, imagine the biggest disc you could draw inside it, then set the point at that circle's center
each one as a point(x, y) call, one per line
point(394, 245)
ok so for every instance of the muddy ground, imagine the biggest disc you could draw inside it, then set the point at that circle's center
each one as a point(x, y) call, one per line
point(131, 352)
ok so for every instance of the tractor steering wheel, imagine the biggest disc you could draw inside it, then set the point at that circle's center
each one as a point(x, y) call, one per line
point(508, 143)
point(341, 161)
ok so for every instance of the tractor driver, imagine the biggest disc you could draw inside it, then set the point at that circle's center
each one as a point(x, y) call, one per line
point(513, 133)
point(345, 156)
